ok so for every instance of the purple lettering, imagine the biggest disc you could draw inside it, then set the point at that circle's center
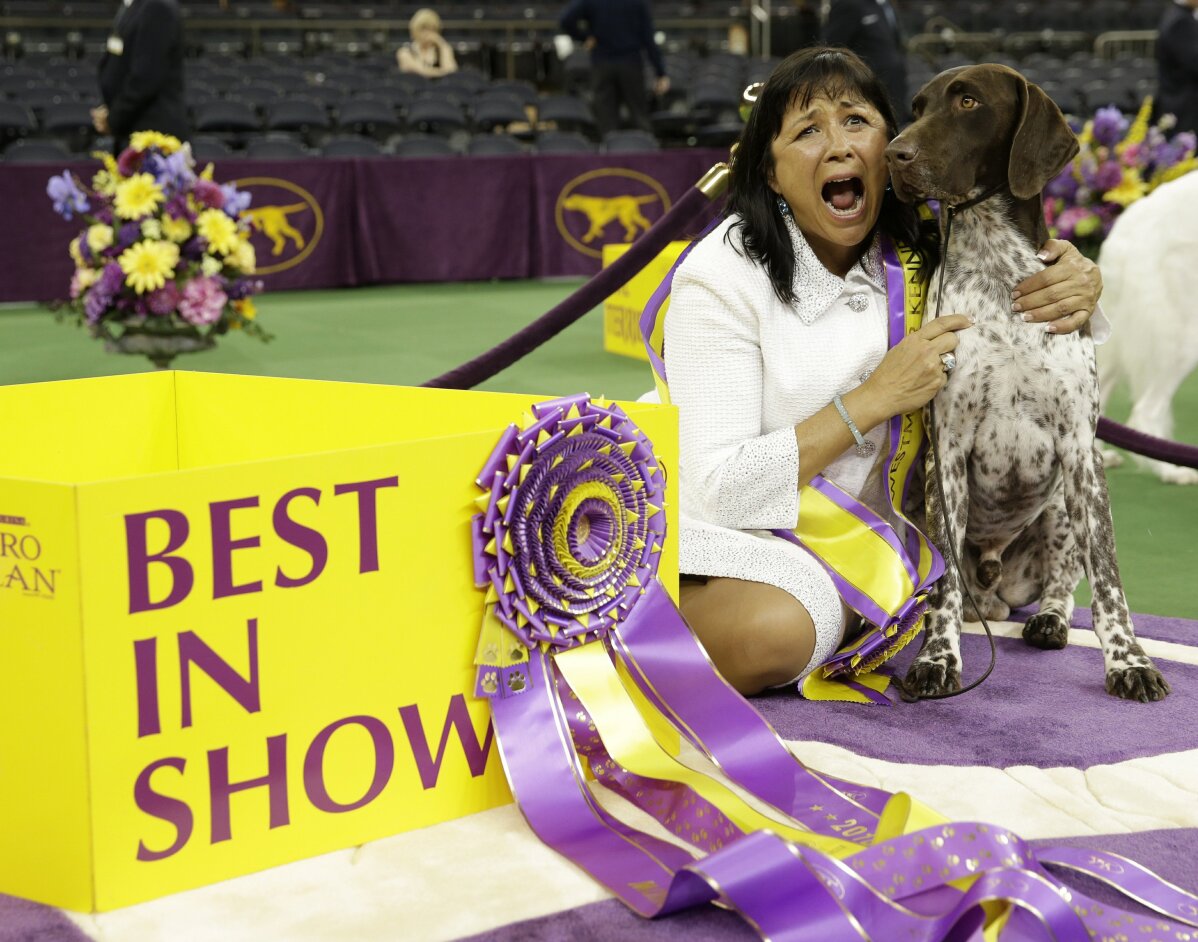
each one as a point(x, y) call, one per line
point(223, 546)
point(384, 762)
point(221, 789)
point(145, 657)
point(368, 543)
point(193, 650)
point(301, 537)
point(140, 558)
point(456, 718)
point(157, 805)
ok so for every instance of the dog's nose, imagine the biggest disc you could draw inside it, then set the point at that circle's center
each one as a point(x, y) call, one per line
point(901, 151)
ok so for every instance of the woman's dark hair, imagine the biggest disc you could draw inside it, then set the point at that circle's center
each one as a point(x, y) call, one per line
point(811, 72)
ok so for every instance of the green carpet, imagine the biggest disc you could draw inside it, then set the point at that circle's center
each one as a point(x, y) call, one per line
point(407, 334)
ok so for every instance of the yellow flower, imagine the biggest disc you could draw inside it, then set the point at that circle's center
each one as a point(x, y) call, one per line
point(86, 277)
point(104, 182)
point(245, 307)
point(177, 230)
point(137, 196)
point(244, 257)
point(1129, 190)
point(151, 229)
point(99, 237)
point(76, 253)
point(142, 140)
point(1139, 127)
point(148, 264)
point(210, 266)
point(1179, 169)
point(220, 231)
point(107, 160)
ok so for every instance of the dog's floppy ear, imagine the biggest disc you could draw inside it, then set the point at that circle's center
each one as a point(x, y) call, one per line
point(1043, 142)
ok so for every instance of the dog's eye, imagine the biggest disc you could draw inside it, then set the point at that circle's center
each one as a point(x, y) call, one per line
point(968, 102)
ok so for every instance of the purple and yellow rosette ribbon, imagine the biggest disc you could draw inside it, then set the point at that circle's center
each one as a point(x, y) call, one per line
point(588, 664)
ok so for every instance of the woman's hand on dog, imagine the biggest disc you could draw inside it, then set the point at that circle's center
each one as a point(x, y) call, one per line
point(912, 372)
point(1064, 295)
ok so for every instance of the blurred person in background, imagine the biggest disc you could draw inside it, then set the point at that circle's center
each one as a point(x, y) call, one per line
point(141, 73)
point(871, 29)
point(428, 53)
point(619, 34)
point(1177, 64)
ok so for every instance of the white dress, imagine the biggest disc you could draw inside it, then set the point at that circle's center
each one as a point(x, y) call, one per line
point(744, 369)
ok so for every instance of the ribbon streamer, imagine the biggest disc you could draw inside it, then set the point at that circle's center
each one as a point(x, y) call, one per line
point(586, 661)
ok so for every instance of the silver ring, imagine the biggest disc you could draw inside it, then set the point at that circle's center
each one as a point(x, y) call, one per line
point(949, 361)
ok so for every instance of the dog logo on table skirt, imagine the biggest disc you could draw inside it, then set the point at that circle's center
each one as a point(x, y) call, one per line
point(608, 205)
point(1023, 484)
point(288, 222)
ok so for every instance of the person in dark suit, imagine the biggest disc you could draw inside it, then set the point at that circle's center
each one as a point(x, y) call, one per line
point(871, 29)
point(141, 73)
point(1177, 64)
point(619, 34)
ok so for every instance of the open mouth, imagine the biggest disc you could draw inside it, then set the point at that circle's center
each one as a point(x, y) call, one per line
point(844, 196)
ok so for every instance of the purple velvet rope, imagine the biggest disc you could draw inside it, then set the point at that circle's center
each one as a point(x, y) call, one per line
point(692, 203)
point(1147, 445)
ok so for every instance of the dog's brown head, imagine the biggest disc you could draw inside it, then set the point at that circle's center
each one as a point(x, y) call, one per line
point(978, 127)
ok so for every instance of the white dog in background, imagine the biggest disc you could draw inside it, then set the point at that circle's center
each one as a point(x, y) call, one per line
point(1149, 268)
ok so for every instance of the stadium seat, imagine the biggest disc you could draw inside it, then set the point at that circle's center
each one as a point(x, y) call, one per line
point(71, 122)
point(205, 147)
point(39, 152)
point(373, 117)
point(494, 145)
point(16, 120)
point(491, 110)
point(465, 83)
point(301, 115)
point(563, 142)
point(276, 148)
point(629, 142)
point(228, 117)
point(566, 113)
point(524, 92)
point(351, 146)
point(424, 145)
point(435, 114)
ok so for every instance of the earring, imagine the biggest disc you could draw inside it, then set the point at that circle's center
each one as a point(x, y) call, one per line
point(783, 207)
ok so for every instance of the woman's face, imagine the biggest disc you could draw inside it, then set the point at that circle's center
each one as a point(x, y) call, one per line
point(830, 167)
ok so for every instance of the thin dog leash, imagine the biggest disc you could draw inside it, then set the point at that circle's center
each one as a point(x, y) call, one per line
point(905, 694)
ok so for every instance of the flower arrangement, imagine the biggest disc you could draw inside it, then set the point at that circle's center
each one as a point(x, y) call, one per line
point(165, 256)
point(1120, 161)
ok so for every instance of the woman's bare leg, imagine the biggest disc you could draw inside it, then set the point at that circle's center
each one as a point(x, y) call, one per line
point(757, 635)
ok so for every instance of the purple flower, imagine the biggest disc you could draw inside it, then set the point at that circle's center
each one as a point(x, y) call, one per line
point(236, 201)
point(1109, 126)
point(1108, 176)
point(203, 301)
point(129, 162)
point(96, 304)
point(173, 173)
point(1186, 140)
point(165, 300)
point(67, 196)
point(193, 248)
point(129, 233)
point(1063, 186)
point(243, 288)
point(209, 194)
point(176, 206)
point(104, 215)
point(111, 279)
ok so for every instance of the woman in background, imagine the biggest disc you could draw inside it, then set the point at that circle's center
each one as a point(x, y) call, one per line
point(428, 53)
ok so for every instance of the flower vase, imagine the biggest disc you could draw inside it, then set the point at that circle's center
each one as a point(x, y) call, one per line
point(160, 344)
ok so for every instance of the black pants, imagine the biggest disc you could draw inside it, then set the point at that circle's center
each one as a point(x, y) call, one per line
point(616, 82)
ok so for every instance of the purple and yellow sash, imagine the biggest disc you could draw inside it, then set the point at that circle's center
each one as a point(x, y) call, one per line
point(881, 575)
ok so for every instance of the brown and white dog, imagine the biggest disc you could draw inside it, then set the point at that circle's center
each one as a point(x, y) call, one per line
point(1023, 481)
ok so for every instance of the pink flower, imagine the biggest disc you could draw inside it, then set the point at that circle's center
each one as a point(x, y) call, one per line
point(210, 194)
point(164, 301)
point(203, 301)
point(129, 162)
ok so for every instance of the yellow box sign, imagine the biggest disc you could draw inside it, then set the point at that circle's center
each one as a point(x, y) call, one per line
point(237, 620)
point(622, 310)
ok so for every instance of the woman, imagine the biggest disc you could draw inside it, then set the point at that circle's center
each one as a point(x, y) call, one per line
point(428, 53)
point(777, 322)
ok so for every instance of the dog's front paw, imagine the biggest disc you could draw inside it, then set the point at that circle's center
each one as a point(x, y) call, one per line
point(1145, 684)
point(931, 678)
point(1047, 631)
